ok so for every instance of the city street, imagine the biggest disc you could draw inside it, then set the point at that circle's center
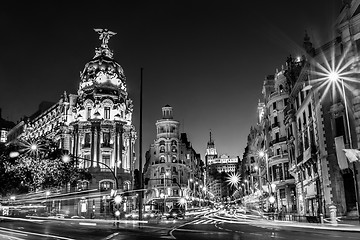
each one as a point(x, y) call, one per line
point(217, 225)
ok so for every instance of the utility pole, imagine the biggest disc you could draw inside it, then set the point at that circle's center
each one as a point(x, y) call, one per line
point(140, 149)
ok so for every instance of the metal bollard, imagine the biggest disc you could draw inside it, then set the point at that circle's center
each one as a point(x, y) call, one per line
point(332, 209)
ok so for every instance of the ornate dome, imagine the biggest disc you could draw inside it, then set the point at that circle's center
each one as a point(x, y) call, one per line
point(102, 71)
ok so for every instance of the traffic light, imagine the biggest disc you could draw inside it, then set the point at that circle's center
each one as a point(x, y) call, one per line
point(136, 179)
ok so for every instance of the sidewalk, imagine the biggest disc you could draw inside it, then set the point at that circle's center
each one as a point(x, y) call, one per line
point(345, 225)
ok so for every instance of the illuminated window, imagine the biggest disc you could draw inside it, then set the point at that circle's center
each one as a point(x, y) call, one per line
point(107, 112)
point(106, 185)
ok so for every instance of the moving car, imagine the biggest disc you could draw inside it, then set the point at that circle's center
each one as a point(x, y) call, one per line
point(176, 213)
point(152, 214)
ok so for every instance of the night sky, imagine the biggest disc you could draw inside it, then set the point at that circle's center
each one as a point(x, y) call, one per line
point(206, 59)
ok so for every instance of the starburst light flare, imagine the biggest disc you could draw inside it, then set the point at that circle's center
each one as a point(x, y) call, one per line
point(332, 72)
point(233, 179)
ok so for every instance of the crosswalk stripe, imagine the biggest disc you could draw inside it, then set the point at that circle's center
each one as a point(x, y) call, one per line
point(208, 221)
point(198, 221)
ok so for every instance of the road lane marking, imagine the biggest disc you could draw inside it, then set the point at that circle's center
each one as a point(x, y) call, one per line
point(111, 236)
point(87, 224)
point(36, 234)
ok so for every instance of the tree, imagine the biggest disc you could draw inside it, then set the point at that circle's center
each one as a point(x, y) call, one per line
point(37, 167)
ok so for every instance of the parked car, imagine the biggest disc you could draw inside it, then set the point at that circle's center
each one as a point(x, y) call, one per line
point(176, 213)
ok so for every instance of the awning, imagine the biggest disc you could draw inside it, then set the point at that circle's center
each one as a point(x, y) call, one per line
point(353, 155)
point(341, 158)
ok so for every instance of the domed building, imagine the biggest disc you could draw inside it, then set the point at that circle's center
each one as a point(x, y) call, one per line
point(173, 170)
point(95, 127)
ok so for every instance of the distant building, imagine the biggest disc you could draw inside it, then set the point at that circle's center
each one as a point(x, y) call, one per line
point(5, 127)
point(217, 170)
point(173, 169)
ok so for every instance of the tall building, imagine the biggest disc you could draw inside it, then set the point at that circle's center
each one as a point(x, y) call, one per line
point(173, 169)
point(5, 127)
point(95, 126)
point(218, 169)
point(277, 163)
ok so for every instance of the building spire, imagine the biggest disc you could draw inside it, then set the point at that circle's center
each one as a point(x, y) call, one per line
point(104, 36)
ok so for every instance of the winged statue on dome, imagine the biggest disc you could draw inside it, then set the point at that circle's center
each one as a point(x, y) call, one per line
point(105, 35)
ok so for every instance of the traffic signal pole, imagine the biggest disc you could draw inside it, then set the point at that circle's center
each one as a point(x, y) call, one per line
point(140, 150)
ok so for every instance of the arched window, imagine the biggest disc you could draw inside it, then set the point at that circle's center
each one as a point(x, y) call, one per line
point(162, 143)
point(162, 170)
point(162, 149)
point(126, 185)
point(106, 185)
point(174, 170)
point(82, 185)
point(173, 159)
point(174, 180)
point(162, 159)
point(281, 88)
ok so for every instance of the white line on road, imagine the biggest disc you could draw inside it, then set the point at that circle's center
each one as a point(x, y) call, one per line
point(111, 236)
point(36, 234)
point(87, 224)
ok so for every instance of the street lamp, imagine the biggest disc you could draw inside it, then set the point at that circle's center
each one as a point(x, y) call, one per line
point(47, 194)
point(165, 174)
point(67, 158)
point(334, 77)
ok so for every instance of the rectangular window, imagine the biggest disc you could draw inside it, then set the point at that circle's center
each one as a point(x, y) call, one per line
point(87, 162)
point(306, 139)
point(282, 193)
point(274, 105)
point(105, 160)
point(309, 110)
point(339, 127)
point(304, 117)
point(87, 140)
point(286, 170)
point(278, 151)
point(107, 112)
point(286, 101)
point(106, 139)
point(88, 113)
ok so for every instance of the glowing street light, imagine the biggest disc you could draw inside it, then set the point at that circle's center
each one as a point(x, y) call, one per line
point(118, 199)
point(33, 147)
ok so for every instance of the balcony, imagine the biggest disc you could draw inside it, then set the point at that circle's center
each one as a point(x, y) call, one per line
point(282, 139)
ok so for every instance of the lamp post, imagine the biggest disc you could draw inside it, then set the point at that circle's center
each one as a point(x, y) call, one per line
point(67, 158)
point(165, 174)
point(334, 77)
point(47, 194)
